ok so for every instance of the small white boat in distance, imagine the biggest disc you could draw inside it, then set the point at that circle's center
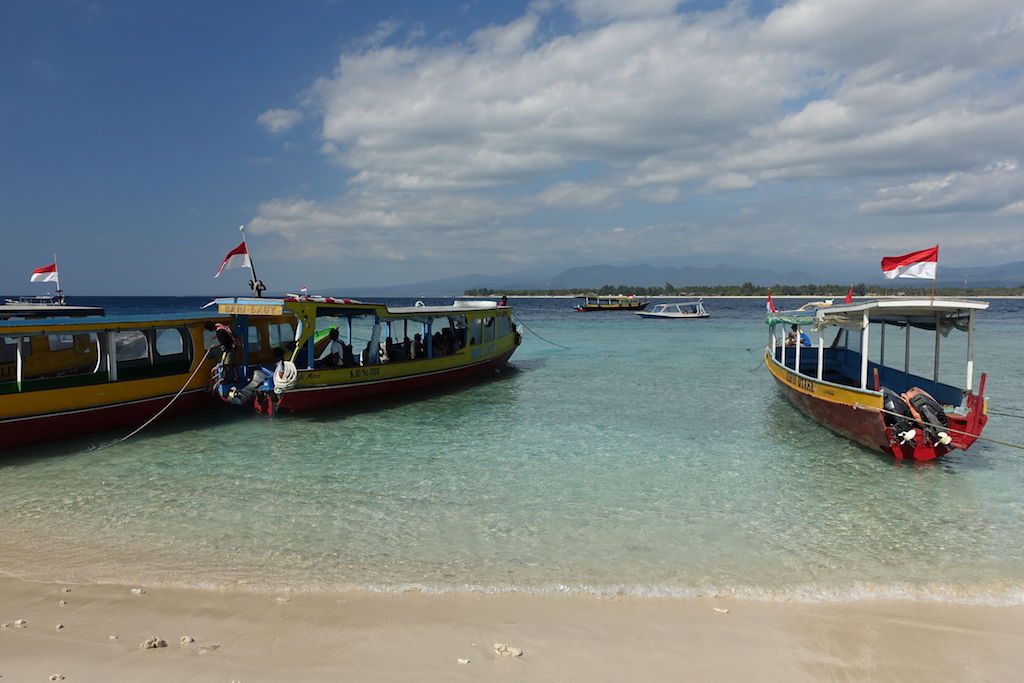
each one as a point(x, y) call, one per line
point(677, 310)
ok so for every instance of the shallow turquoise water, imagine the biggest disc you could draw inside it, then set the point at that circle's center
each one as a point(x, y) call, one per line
point(650, 458)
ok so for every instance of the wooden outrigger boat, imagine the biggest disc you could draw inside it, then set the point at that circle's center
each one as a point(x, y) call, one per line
point(614, 302)
point(405, 349)
point(678, 310)
point(63, 377)
point(880, 407)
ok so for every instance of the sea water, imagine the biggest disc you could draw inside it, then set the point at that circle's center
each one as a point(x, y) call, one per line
point(647, 458)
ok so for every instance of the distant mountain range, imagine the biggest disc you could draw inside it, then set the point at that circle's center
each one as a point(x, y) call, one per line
point(643, 275)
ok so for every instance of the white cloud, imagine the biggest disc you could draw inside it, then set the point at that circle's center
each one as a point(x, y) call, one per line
point(279, 120)
point(874, 108)
point(993, 189)
point(576, 195)
point(597, 10)
point(730, 181)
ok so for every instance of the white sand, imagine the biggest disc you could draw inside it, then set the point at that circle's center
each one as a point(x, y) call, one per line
point(361, 636)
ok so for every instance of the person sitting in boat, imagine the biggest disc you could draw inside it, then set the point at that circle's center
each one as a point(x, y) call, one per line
point(795, 333)
point(418, 349)
point(437, 345)
point(504, 302)
point(227, 341)
point(369, 355)
point(407, 349)
point(388, 355)
point(348, 359)
point(332, 353)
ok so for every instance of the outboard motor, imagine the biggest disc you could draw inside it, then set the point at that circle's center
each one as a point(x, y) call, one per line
point(237, 397)
point(931, 415)
point(904, 425)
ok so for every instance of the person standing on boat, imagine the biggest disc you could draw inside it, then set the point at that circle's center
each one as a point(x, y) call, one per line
point(795, 333)
point(504, 302)
point(228, 342)
point(334, 350)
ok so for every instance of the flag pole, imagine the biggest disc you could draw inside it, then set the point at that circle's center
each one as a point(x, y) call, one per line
point(56, 270)
point(255, 285)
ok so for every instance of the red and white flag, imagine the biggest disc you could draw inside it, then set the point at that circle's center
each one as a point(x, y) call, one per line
point(848, 299)
point(916, 264)
point(236, 258)
point(770, 305)
point(45, 274)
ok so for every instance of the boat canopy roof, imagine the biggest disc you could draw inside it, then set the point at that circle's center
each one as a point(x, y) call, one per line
point(329, 306)
point(608, 296)
point(922, 313)
point(100, 324)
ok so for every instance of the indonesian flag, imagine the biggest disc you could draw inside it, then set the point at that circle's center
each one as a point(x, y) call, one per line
point(849, 296)
point(236, 258)
point(916, 264)
point(45, 274)
point(770, 305)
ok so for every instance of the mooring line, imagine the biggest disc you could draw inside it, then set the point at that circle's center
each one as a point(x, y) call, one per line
point(162, 410)
point(520, 321)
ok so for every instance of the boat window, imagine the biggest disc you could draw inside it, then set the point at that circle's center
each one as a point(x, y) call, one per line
point(169, 342)
point(254, 338)
point(488, 329)
point(209, 339)
point(475, 331)
point(9, 349)
point(504, 326)
point(131, 345)
point(61, 342)
point(281, 332)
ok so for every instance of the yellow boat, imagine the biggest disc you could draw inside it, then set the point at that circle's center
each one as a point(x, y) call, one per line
point(613, 302)
point(379, 350)
point(63, 377)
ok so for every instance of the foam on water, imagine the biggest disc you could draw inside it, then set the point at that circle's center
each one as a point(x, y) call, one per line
point(650, 459)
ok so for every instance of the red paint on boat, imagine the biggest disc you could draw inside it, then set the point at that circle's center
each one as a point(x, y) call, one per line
point(299, 400)
point(30, 431)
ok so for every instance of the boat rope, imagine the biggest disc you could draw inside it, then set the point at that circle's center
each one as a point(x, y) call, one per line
point(534, 333)
point(996, 412)
point(162, 410)
point(861, 406)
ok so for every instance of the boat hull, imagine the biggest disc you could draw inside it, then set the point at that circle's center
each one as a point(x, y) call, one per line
point(659, 316)
point(855, 414)
point(313, 398)
point(610, 309)
point(37, 429)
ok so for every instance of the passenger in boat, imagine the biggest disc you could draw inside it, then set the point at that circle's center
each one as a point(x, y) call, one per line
point(368, 356)
point(418, 349)
point(407, 349)
point(504, 302)
point(348, 359)
point(437, 345)
point(796, 334)
point(389, 351)
point(332, 353)
point(227, 341)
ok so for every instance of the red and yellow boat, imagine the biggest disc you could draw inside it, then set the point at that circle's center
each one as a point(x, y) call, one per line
point(883, 408)
point(380, 350)
point(64, 377)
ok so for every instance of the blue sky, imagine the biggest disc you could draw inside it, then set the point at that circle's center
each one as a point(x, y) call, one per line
point(396, 141)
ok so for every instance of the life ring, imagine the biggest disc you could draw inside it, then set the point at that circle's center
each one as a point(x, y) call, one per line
point(285, 376)
point(419, 304)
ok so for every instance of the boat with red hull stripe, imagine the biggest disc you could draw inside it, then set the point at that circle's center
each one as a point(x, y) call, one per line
point(878, 406)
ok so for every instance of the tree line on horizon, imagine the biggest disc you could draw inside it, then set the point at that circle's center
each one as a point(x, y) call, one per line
point(750, 289)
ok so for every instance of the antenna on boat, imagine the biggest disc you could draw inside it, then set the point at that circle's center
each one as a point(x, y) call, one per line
point(255, 284)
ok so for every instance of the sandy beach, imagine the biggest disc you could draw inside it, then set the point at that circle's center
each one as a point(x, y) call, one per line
point(243, 636)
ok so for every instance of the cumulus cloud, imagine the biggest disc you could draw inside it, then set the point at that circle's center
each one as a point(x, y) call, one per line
point(279, 120)
point(645, 102)
point(991, 189)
